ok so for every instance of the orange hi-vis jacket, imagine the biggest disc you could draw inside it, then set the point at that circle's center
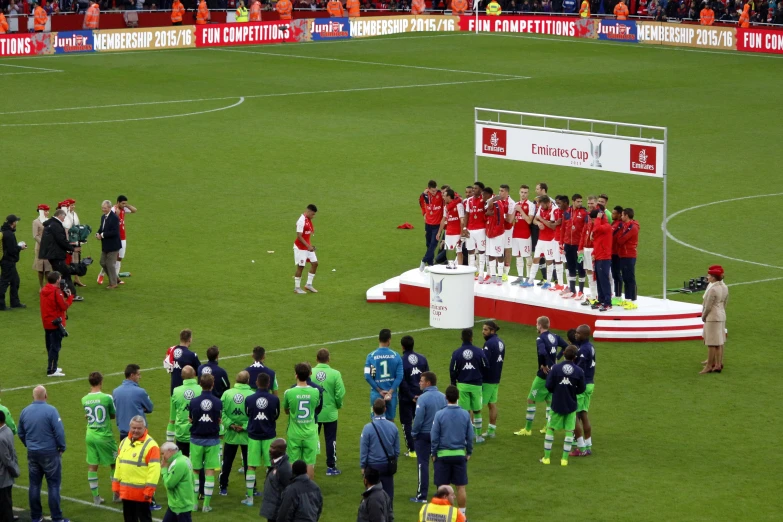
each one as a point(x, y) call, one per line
point(202, 15)
point(744, 19)
point(284, 9)
point(137, 470)
point(92, 17)
point(335, 9)
point(3, 24)
point(584, 11)
point(177, 10)
point(707, 16)
point(621, 11)
point(39, 19)
point(353, 8)
point(417, 7)
point(458, 7)
point(255, 12)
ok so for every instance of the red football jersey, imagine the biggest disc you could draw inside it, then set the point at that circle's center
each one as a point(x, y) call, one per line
point(477, 218)
point(495, 221)
point(522, 227)
point(305, 227)
point(573, 223)
point(509, 204)
point(120, 211)
point(432, 207)
point(455, 211)
point(546, 233)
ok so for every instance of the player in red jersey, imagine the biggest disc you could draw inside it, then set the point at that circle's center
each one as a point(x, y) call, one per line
point(121, 208)
point(431, 203)
point(573, 223)
point(546, 220)
point(304, 250)
point(508, 226)
point(585, 254)
point(496, 242)
point(521, 246)
point(616, 273)
point(453, 223)
point(477, 229)
point(561, 207)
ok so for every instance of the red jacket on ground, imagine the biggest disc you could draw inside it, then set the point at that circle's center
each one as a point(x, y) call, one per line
point(602, 239)
point(53, 305)
point(628, 239)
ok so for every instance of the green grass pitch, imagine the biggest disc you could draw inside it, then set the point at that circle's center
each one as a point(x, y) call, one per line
point(219, 186)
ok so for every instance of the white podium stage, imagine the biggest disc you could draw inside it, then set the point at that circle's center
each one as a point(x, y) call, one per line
point(451, 297)
point(654, 320)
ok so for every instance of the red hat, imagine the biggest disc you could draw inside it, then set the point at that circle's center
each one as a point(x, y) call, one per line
point(62, 204)
point(70, 201)
point(715, 270)
point(43, 206)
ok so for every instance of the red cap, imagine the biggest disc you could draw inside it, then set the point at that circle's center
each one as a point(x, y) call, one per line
point(43, 206)
point(715, 270)
point(70, 201)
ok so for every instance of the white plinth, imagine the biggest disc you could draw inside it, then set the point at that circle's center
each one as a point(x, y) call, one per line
point(451, 296)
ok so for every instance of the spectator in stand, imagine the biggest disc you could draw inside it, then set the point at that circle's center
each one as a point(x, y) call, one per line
point(494, 9)
point(202, 15)
point(255, 11)
point(177, 10)
point(584, 9)
point(9, 469)
point(54, 303)
point(14, 9)
point(707, 15)
point(569, 6)
point(92, 16)
point(353, 8)
point(417, 7)
point(744, 19)
point(546, 6)
point(335, 9)
point(39, 18)
point(284, 9)
point(241, 12)
point(3, 25)
point(621, 11)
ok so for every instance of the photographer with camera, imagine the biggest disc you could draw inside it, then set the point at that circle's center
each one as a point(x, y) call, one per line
point(56, 297)
point(55, 247)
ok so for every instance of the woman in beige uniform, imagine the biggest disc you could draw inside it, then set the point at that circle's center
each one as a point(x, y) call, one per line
point(41, 266)
point(714, 316)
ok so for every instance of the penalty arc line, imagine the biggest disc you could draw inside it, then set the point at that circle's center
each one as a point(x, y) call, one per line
point(80, 501)
point(222, 358)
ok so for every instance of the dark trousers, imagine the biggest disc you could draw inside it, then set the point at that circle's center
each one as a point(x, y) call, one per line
point(423, 448)
point(184, 447)
point(9, 278)
point(170, 516)
point(136, 511)
point(571, 254)
point(6, 504)
point(387, 479)
point(58, 265)
point(229, 454)
point(602, 270)
point(617, 276)
point(407, 409)
point(431, 238)
point(42, 464)
point(54, 342)
point(330, 438)
point(628, 267)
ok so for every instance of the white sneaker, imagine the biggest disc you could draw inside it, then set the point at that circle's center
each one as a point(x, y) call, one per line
point(310, 288)
point(421, 266)
point(56, 374)
point(298, 290)
point(97, 501)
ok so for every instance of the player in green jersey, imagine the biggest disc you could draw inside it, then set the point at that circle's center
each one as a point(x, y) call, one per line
point(234, 426)
point(300, 403)
point(101, 444)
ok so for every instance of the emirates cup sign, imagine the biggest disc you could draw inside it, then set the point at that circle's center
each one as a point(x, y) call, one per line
point(493, 141)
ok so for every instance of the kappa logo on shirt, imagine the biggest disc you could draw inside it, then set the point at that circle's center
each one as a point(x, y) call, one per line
point(415, 371)
point(205, 418)
point(469, 366)
point(261, 416)
point(565, 381)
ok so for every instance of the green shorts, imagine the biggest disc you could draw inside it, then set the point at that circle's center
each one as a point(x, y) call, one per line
point(258, 452)
point(558, 421)
point(205, 457)
point(469, 396)
point(583, 399)
point(101, 451)
point(538, 391)
point(489, 394)
point(303, 449)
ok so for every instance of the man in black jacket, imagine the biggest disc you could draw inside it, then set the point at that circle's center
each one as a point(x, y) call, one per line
point(9, 277)
point(55, 247)
point(109, 234)
point(278, 476)
point(376, 506)
point(302, 500)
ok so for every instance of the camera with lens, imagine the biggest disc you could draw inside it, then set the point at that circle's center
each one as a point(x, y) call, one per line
point(59, 324)
point(64, 287)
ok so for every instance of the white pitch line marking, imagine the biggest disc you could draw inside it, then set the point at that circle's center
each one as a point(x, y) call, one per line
point(27, 72)
point(688, 245)
point(80, 501)
point(362, 62)
point(290, 348)
point(40, 69)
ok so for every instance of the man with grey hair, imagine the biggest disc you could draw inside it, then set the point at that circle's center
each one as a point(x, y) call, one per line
point(136, 472)
point(177, 473)
point(109, 234)
point(278, 476)
point(41, 431)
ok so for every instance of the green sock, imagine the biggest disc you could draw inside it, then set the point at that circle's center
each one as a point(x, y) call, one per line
point(209, 486)
point(250, 481)
point(569, 440)
point(549, 438)
point(92, 478)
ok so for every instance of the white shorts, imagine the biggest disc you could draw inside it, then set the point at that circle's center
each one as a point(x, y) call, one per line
point(521, 247)
point(301, 257)
point(587, 261)
point(477, 240)
point(507, 237)
point(454, 242)
point(496, 246)
point(122, 249)
point(549, 249)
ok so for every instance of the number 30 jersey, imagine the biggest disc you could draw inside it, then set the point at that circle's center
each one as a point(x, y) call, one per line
point(383, 369)
point(301, 403)
point(98, 408)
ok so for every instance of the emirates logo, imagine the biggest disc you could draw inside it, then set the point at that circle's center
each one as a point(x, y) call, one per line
point(643, 156)
point(643, 159)
point(493, 140)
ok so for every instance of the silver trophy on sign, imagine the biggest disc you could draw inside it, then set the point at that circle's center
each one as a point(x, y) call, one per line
point(595, 151)
point(437, 288)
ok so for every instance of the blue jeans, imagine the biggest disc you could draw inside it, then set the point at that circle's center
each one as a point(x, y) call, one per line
point(431, 237)
point(47, 464)
point(602, 271)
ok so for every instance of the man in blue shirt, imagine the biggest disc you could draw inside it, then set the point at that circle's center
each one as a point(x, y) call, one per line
point(452, 446)
point(468, 365)
point(383, 372)
point(182, 356)
point(430, 402)
point(413, 365)
point(585, 359)
point(380, 442)
point(495, 349)
point(41, 431)
point(547, 344)
point(213, 368)
point(259, 356)
point(130, 399)
point(262, 409)
point(206, 415)
point(564, 381)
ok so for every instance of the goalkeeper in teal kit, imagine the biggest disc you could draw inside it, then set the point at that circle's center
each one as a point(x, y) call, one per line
point(383, 372)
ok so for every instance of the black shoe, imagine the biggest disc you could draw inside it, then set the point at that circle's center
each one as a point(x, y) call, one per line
point(20, 305)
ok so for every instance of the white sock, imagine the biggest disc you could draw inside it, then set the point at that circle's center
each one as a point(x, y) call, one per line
point(611, 284)
point(491, 267)
point(549, 269)
point(560, 275)
point(593, 289)
point(580, 442)
point(589, 442)
point(297, 281)
point(529, 265)
point(506, 268)
point(482, 261)
point(521, 267)
point(472, 260)
point(310, 277)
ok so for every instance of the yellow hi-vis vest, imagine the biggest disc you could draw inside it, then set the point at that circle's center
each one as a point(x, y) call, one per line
point(493, 9)
point(242, 15)
point(437, 513)
point(137, 469)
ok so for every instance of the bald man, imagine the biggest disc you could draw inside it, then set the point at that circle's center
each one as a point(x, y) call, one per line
point(41, 431)
point(278, 476)
point(441, 507)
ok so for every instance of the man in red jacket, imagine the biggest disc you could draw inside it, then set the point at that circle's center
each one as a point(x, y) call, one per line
point(616, 276)
point(602, 254)
point(54, 303)
point(627, 240)
point(431, 203)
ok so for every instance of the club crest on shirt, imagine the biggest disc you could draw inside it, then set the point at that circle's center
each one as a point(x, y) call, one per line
point(239, 398)
point(320, 376)
point(261, 403)
point(206, 405)
point(177, 353)
point(467, 355)
point(413, 359)
point(206, 371)
point(568, 369)
point(551, 339)
point(501, 346)
point(189, 394)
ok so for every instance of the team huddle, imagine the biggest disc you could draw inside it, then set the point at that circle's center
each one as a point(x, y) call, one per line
point(596, 246)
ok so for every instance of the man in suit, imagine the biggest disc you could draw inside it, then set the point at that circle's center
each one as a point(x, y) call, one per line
point(55, 247)
point(109, 234)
